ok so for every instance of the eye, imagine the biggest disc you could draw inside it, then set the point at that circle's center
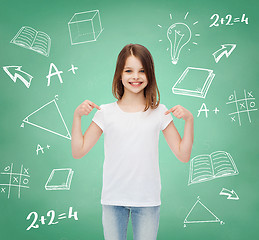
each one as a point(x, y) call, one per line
point(142, 71)
point(127, 71)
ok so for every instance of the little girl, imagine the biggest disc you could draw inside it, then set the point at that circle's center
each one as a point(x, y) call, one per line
point(131, 127)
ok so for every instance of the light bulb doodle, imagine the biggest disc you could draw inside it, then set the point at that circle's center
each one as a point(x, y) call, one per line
point(178, 34)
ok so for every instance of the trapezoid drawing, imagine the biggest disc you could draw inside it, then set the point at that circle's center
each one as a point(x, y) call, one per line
point(199, 213)
point(49, 118)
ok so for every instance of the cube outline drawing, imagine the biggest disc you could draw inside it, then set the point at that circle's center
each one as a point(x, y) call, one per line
point(72, 21)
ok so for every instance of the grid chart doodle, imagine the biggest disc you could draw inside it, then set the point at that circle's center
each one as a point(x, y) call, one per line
point(242, 106)
point(15, 180)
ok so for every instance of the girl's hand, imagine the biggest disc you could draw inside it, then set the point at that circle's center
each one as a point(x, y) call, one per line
point(180, 112)
point(85, 108)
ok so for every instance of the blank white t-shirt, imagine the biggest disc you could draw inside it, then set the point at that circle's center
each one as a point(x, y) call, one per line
point(131, 174)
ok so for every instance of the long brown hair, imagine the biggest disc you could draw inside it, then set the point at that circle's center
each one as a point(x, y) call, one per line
point(151, 91)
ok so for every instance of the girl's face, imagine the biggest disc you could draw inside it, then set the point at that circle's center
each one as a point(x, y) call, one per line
point(133, 76)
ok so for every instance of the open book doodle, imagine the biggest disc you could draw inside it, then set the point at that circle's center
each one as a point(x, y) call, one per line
point(194, 82)
point(60, 179)
point(208, 167)
point(37, 41)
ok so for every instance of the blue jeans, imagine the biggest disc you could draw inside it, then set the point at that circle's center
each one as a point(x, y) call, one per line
point(145, 222)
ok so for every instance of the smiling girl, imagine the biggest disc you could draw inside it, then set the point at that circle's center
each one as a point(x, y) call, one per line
point(131, 127)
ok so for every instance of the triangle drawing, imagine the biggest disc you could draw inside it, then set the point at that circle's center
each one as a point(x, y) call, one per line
point(49, 118)
point(199, 213)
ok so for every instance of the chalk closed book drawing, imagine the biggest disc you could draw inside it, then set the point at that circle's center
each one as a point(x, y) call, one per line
point(194, 82)
point(60, 179)
point(37, 41)
point(208, 167)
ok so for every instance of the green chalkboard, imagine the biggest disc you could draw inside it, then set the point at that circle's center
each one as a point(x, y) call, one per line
point(56, 54)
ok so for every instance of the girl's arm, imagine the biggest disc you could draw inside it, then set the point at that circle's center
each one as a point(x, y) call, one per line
point(181, 147)
point(82, 144)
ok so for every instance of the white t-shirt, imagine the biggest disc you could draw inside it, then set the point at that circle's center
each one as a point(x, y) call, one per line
point(131, 174)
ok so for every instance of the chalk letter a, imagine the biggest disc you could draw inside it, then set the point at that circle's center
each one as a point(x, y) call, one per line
point(57, 72)
point(39, 148)
point(203, 109)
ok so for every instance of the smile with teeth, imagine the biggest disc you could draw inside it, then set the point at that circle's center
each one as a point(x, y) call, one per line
point(135, 84)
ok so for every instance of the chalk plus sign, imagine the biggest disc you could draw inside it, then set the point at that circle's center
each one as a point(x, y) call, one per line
point(73, 68)
point(216, 110)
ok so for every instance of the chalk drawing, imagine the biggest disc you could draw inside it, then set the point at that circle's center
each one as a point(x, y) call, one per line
point(50, 214)
point(228, 20)
point(51, 105)
point(194, 82)
point(207, 167)
point(85, 27)
point(29, 38)
point(204, 108)
point(179, 35)
point(242, 106)
point(41, 149)
point(226, 49)
point(18, 180)
point(199, 213)
point(57, 72)
point(59, 179)
point(216, 110)
point(73, 68)
point(231, 194)
point(15, 72)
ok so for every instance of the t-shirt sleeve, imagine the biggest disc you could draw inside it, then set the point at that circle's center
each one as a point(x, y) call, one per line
point(165, 119)
point(99, 118)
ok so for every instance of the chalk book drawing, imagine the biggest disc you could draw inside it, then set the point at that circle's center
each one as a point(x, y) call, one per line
point(29, 38)
point(60, 179)
point(210, 166)
point(199, 213)
point(194, 82)
point(49, 118)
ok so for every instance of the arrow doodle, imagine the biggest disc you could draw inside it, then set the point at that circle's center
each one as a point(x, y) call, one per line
point(20, 75)
point(231, 194)
point(226, 49)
